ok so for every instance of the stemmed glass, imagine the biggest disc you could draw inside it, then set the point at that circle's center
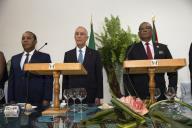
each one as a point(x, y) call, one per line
point(1, 97)
point(182, 93)
point(181, 96)
point(157, 93)
point(81, 95)
point(1, 94)
point(67, 95)
point(73, 95)
point(170, 94)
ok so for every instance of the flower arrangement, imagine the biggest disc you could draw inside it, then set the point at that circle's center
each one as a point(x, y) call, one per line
point(131, 112)
point(135, 104)
point(128, 112)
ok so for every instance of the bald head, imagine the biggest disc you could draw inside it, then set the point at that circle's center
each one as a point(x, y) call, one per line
point(81, 36)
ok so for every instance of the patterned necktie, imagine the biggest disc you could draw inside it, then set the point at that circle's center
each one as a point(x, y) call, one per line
point(149, 54)
point(26, 59)
point(80, 58)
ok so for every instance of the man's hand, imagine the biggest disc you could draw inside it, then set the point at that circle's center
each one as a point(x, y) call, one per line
point(97, 101)
point(12, 102)
point(45, 103)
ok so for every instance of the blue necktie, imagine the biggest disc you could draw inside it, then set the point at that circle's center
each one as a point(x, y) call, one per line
point(80, 58)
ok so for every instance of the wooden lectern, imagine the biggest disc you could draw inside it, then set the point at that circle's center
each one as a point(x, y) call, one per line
point(55, 69)
point(151, 67)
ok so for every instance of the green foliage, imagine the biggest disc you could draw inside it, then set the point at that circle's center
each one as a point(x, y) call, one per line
point(114, 41)
point(122, 116)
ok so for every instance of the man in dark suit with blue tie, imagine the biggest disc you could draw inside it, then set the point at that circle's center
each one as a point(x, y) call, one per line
point(24, 87)
point(93, 81)
point(138, 84)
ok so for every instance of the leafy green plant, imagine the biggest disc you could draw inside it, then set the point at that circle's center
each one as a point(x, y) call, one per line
point(113, 44)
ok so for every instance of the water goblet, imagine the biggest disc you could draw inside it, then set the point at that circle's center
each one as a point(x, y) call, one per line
point(181, 96)
point(67, 95)
point(81, 95)
point(157, 93)
point(1, 94)
point(170, 94)
point(183, 92)
point(1, 97)
point(74, 97)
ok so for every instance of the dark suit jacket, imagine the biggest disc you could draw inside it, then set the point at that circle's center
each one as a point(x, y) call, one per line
point(190, 64)
point(2, 82)
point(39, 87)
point(3, 79)
point(141, 81)
point(93, 81)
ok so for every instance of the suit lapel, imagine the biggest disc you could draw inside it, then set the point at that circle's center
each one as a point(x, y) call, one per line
point(19, 61)
point(87, 55)
point(74, 55)
point(33, 57)
point(155, 47)
point(142, 51)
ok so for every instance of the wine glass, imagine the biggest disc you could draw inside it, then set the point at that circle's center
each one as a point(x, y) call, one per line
point(81, 95)
point(73, 95)
point(181, 96)
point(170, 93)
point(67, 95)
point(1, 97)
point(157, 93)
point(183, 92)
point(1, 94)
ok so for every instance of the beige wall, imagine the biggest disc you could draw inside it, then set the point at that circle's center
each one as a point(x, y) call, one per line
point(54, 22)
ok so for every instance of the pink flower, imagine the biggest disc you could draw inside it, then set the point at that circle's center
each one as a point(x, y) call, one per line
point(135, 104)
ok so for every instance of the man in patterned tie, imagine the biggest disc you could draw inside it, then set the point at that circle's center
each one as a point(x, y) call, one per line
point(138, 84)
point(26, 87)
point(93, 81)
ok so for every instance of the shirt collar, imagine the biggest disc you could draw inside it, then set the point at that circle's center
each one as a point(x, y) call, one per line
point(82, 49)
point(30, 53)
point(150, 42)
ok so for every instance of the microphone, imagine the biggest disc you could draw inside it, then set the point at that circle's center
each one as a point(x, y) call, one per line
point(128, 80)
point(42, 47)
point(129, 50)
point(27, 77)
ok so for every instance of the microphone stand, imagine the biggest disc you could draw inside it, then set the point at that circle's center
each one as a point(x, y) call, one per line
point(42, 47)
point(127, 73)
point(27, 75)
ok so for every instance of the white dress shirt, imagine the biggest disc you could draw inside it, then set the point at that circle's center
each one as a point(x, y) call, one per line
point(83, 52)
point(24, 57)
point(150, 46)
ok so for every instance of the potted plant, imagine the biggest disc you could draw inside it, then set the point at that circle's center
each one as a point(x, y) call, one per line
point(114, 41)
